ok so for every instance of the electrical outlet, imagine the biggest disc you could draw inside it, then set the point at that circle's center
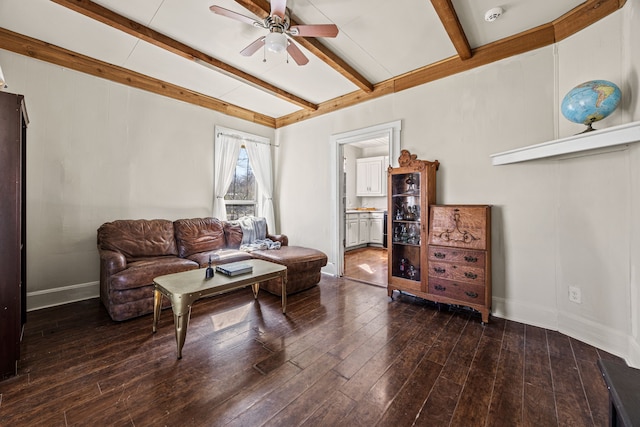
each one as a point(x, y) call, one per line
point(575, 295)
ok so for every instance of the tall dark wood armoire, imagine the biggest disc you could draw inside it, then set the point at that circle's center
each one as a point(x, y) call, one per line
point(13, 138)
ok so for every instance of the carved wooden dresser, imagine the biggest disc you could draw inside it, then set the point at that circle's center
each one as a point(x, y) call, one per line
point(459, 256)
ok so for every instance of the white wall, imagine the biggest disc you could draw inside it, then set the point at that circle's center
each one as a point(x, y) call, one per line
point(99, 151)
point(556, 222)
point(593, 199)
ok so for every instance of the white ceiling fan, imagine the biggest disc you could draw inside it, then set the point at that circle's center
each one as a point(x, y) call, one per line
point(279, 25)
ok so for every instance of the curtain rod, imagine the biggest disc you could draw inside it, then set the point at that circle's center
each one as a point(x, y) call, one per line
point(236, 136)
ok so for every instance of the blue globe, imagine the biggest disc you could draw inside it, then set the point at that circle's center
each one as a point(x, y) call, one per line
point(590, 101)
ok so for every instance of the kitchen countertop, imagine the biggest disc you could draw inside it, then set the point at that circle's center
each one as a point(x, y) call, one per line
point(353, 211)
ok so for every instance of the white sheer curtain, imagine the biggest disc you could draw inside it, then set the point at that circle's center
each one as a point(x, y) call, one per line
point(226, 157)
point(260, 160)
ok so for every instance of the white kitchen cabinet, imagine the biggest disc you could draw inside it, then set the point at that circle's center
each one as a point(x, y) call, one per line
point(363, 228)
point(351, 230)
point(371, 177)
point(376, 228)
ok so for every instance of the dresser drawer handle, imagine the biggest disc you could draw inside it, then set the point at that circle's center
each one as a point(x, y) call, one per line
point(472, 294)
point(470, 258)
point(440, 288)
point(469, 275)
point(439, 270)
point(439, 255)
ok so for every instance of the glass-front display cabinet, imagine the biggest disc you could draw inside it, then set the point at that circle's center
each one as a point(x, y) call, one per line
point(411, 190)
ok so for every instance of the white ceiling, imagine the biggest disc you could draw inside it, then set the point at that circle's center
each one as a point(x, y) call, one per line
point(378, 38)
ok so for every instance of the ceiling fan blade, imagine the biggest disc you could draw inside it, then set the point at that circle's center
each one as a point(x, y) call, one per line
point(253, 47)
point(233, 15)
point(297, 54)
point(318, 30)
point(278, 7)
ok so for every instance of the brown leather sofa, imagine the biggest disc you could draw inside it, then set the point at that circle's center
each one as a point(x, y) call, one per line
point(134, 252)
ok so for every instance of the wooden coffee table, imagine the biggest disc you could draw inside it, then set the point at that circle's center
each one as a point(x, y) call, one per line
point(184, 288)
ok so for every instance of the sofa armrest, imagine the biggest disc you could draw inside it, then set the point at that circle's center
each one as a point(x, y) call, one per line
point(282, 238)
point(111, 262)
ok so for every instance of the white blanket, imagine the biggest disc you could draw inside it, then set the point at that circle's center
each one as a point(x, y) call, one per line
point(253, 228)
point(260, 244)
point(254, 234)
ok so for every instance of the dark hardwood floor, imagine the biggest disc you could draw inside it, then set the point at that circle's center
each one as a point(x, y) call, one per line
point(343, 355)
point(368, 264)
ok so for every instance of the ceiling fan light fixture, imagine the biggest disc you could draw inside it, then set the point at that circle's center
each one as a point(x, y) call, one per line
point(276, 42)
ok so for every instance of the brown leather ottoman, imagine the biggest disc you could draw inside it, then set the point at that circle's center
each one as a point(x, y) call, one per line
point(303, 267)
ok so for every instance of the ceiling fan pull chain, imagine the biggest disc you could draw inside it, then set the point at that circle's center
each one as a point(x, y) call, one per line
point(264, 54)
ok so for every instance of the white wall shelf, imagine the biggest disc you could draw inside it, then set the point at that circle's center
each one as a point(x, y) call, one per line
point(609, 137)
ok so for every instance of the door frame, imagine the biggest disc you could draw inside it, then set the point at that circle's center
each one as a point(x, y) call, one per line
point(392, 131)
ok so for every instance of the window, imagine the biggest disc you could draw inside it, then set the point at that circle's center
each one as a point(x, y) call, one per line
point(239, 187)
point(241, 197)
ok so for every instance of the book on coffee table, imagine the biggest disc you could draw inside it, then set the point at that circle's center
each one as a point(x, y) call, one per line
point(234, 268)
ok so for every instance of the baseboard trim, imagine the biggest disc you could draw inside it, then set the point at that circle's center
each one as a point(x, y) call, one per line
point(605, 338)
point(634, 353)
point(530, 314)
point(37, 300)
point(595, 334)
point(330, 269)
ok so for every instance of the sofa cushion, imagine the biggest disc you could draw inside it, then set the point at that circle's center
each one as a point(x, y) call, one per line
point(199, 235)
point(128, 295)
point(134, 307)
point(296, 258)
point(220, 256)
point(295, 283)
point(142, 271)
point(303, 268)
point(138, 238)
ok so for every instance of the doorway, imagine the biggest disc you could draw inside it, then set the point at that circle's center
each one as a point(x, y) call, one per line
point(363, 260)
point(365, 254)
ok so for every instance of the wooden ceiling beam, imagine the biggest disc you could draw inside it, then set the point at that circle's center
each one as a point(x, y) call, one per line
point(570, 23)
point(108, 17)
point(584, 15)
point(43, 51)
point(510, 46)
point(449, 18)
point(262, 8)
